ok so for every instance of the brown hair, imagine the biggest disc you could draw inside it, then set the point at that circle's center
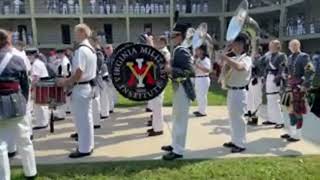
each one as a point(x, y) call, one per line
point(164, 40)
point(4, 38)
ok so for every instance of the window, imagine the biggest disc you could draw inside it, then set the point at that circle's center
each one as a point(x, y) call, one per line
point(65, 32)
point(108, 33)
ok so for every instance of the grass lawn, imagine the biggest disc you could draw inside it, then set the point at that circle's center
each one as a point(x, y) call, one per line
point(268, 168)
point(216, 97)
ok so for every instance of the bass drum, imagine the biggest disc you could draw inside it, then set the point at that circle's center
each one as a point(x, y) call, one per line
point(138, 72)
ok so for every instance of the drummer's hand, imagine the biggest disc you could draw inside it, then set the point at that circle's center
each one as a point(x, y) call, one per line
point(61, 82)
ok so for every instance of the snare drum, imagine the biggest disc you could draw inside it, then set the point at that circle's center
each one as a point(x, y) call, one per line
point(47, 93)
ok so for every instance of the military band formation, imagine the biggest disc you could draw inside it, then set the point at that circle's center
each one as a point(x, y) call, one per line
point(79, 82)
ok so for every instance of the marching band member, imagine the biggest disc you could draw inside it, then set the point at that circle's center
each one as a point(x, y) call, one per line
point(38, 71)
point(316, 85)
point(237, 94)
point(11, 142)
point(63, 70)
point(84, 66)
point(276, 63)
point(105, 91)
point(300, 73)
point(111, 91)
point(202, 80)
point(96, 106)
point(12, 66)
point(255, 91)
point(156, 103)
point(180, 71)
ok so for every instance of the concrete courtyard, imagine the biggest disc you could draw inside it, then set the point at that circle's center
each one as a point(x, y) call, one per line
point(123, 137)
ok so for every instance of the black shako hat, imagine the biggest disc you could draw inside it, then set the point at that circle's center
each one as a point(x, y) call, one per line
point(180, 28)
point(32, 51)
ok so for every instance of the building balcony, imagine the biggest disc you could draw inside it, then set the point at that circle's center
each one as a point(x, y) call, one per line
point(14, 9)
point(104, 8)
point(48, 9)
point(309, 30)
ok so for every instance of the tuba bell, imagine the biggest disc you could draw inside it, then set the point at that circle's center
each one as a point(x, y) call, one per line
point(197, 37)
point(241, 22)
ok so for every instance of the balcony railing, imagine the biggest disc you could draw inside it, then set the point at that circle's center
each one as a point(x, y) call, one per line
point(56, 8)
point(303, 29)
point(15, 8)
point(105, 8)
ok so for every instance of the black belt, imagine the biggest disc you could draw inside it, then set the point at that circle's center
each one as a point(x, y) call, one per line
point(202, 76)
point(105, 78)
point(237, 88)
point(272, 93)
point(83, 83)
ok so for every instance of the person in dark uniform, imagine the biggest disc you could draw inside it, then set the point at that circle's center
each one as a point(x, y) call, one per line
point(300, 73)
point(276, 62)
point(14, 92)
point(180, 71)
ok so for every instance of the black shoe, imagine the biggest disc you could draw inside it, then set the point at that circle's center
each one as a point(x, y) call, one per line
point(78, 154)
point(171, 156)
point(149, 123)
point(153, 133)
point(40, 127)
point(31, 177)
point(285, 136)
point(68, 112)
point(104, 117)
point(291, 139)
point(167, 148)
point(198, 114)
point(148, 110)
point(12, 154)
point(237, 149)
point(111, 111)
point(279, 126)
point(229, 145)
point(252, 123)
point(58, 119)
point(74, 135)
point(97, 126)
point(149, 130)
point(268, 123)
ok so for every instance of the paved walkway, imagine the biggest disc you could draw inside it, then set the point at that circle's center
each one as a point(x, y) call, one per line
point(123, 137)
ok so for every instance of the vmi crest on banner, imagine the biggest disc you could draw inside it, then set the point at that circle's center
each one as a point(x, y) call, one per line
point(138, 72)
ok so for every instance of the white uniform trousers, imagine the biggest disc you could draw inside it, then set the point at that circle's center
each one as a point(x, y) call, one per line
point(202, 85)
point(273, 101)
point(96, 106)
point(10, 137)
point(180, 117)
point(20, 131)
point(61, 111)
point(149, 105)
point(113, 97)
point(41, 115)
point(81, 105)
point(237, 107)
point(255, 96)
point(157, 113)
point(104, 100)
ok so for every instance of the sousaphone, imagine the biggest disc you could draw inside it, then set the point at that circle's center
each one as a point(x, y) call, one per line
point(241, 22)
